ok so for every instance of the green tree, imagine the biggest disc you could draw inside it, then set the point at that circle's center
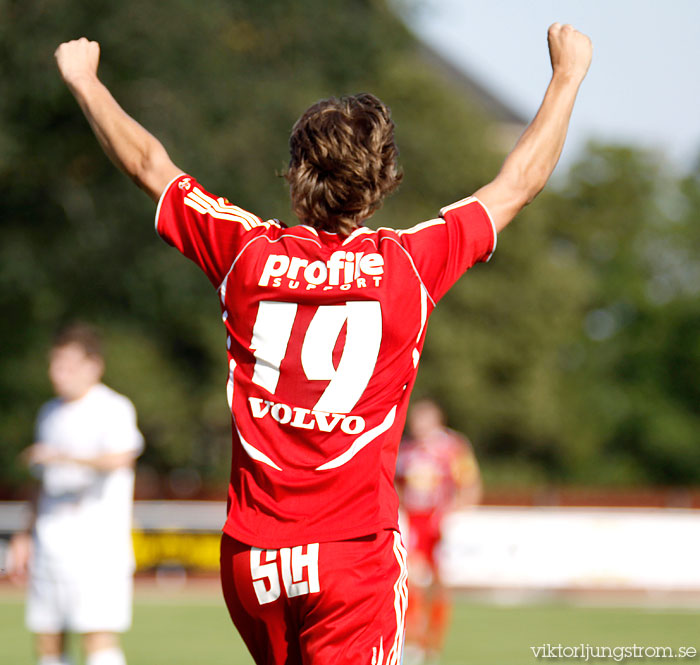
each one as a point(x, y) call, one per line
point(572, 357)
point(220, 83)
point(636, 353)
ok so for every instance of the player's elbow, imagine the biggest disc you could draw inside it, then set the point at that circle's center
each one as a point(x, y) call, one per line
point(537, 182)
point(525, 184)
point(153, 170)
point(139, 169)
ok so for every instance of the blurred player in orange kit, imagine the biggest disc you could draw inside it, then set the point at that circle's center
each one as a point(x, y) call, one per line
point(325, 323)
point(436, 472)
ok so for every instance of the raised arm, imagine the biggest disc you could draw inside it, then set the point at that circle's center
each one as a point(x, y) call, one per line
point(528, 167)
point(39, 453)
point(134, 150)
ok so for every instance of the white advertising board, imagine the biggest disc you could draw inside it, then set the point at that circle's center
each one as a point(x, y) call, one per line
point(573, 548)
point(489, 547)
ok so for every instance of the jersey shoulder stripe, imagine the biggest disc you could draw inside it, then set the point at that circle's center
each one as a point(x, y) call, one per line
point(221, 209)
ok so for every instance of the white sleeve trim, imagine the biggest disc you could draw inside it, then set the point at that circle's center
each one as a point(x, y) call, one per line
point(467, 201)
point(421, 226)
point(493, 228)
point(162, 196)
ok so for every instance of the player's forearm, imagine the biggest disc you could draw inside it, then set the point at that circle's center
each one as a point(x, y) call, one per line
point(131, 147)
point(532, 160)
point(106, 462)
point(528, 167)
point(42, 454)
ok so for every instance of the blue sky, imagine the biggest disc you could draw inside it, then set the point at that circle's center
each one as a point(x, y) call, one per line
point(643, 87)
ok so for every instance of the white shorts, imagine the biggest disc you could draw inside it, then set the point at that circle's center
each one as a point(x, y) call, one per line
point(85, 605)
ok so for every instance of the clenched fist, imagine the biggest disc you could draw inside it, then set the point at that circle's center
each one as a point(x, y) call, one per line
point(77, 59)
point(569, 50)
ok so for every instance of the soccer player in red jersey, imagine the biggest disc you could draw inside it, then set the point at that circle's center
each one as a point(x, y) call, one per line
point(436, 472)
point(325, 323)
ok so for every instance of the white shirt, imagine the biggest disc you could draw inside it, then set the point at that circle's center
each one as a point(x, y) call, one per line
point(84, 515)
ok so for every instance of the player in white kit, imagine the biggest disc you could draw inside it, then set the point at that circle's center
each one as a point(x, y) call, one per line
point(77, 551)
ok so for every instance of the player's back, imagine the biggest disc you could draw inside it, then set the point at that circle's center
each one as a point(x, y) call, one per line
point(324, 335)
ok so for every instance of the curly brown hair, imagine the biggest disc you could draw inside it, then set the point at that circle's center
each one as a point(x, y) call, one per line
point(343, 162)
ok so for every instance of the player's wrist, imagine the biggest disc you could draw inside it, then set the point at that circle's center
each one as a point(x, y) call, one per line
point(568, 76)
point(80, 82)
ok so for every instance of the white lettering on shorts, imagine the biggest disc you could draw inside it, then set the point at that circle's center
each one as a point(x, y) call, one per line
point(299, 568)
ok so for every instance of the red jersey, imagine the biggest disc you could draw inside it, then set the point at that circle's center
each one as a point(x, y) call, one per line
point(431, 470)
point(324, 335)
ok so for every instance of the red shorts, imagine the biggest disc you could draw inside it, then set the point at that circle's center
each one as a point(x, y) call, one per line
point(331, 603)
point(424, 536)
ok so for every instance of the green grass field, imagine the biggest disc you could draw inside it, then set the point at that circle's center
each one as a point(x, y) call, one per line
point(192, 628)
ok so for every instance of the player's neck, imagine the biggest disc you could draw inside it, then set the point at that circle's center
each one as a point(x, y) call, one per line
point(79, 393)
